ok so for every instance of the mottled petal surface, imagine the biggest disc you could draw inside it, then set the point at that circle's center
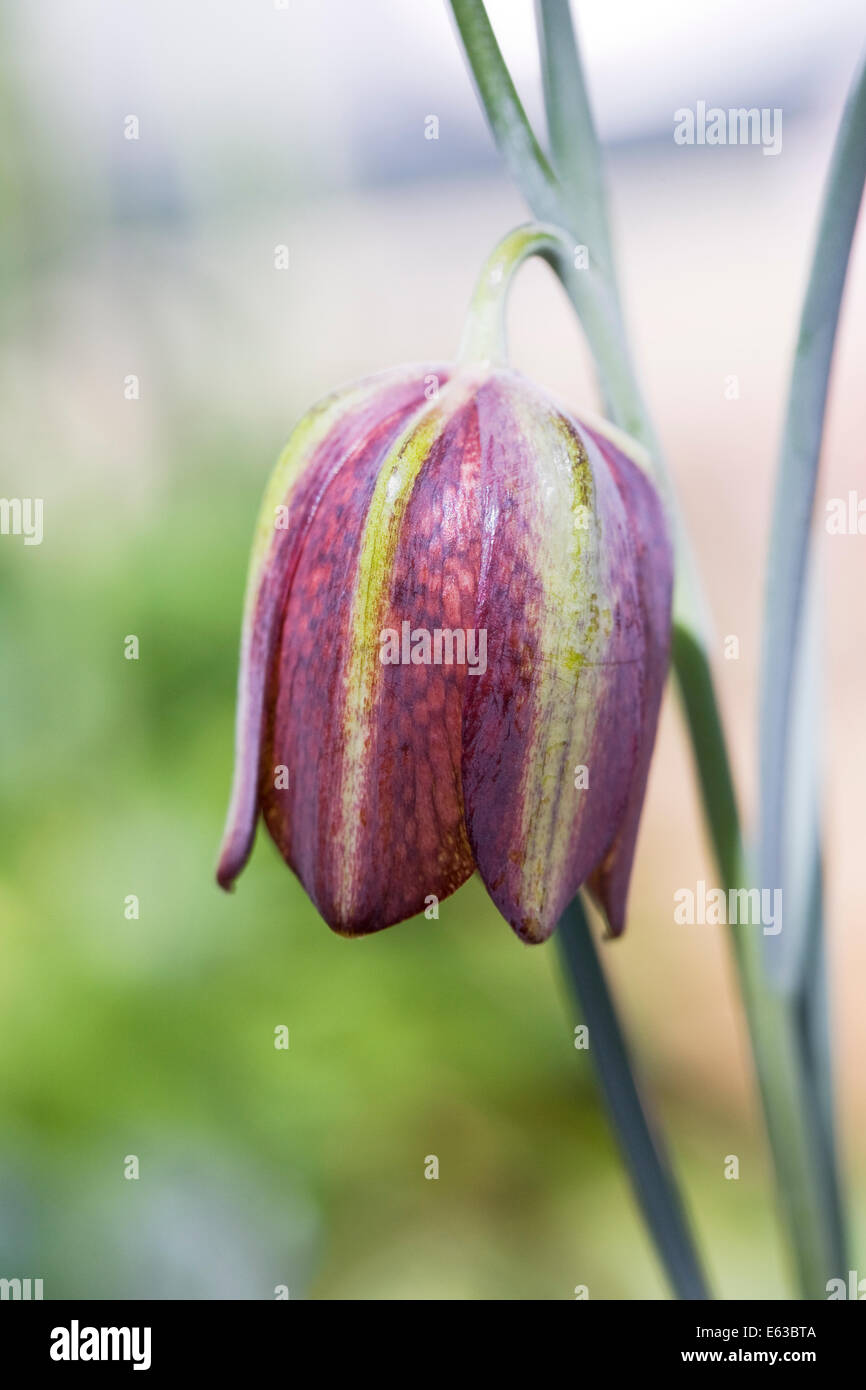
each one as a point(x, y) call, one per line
point(560, 704)
point(654, 558)
point(455, 641)
point(373, 821)
point(318, 449)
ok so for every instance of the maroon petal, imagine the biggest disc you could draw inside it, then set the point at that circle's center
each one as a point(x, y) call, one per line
point(561, 701)
point(373, 820)
point(314, 456)
point(654, 560)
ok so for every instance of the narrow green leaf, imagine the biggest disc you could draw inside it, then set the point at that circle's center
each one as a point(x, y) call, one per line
point(571, 128)
point(794, 502)
point(814, 1031)
point(790, 839)
point(512, 132)
point(801, 969)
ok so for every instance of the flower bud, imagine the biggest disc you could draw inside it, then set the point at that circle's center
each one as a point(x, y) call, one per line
point(455, 642)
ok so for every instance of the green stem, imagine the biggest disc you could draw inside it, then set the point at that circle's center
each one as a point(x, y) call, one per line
point(778, 1057)
point(781, 1074)
point(640, 1140)
point(523, 155)
point(646, 1159)
point(783, 1083)
point(484, 337)
point(788, 843)
point(798, 476)
point(571, 128)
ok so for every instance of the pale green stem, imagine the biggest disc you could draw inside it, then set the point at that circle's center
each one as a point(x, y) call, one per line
point(638, 1134)
point(640, 1139)
point(790, 845)
point(772, 1030)
point(558, 196)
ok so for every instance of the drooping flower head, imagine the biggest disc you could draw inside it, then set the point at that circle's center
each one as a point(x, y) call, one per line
point(455, 641)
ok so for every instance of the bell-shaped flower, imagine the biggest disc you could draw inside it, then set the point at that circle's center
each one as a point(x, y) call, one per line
point(455, 641)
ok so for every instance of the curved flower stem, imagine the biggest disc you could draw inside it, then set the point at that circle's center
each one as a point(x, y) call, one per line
point(484, 336)
point(641, 1142)
point(558, 196)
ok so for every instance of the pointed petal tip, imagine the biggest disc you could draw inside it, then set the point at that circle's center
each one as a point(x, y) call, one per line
point(354, 932)
point(533, 929)
point(612, 931)
point(225, 878)
point(366, 919)
point(234, 852)
point(608, 886)
point(532, 936)
point(532, 925)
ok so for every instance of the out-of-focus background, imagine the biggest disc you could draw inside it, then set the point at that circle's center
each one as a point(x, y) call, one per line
point(302, 125)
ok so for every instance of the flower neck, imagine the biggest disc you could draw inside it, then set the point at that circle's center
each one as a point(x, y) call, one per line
point(484, 337)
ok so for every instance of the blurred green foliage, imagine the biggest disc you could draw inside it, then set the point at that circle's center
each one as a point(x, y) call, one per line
point(155, 1037)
